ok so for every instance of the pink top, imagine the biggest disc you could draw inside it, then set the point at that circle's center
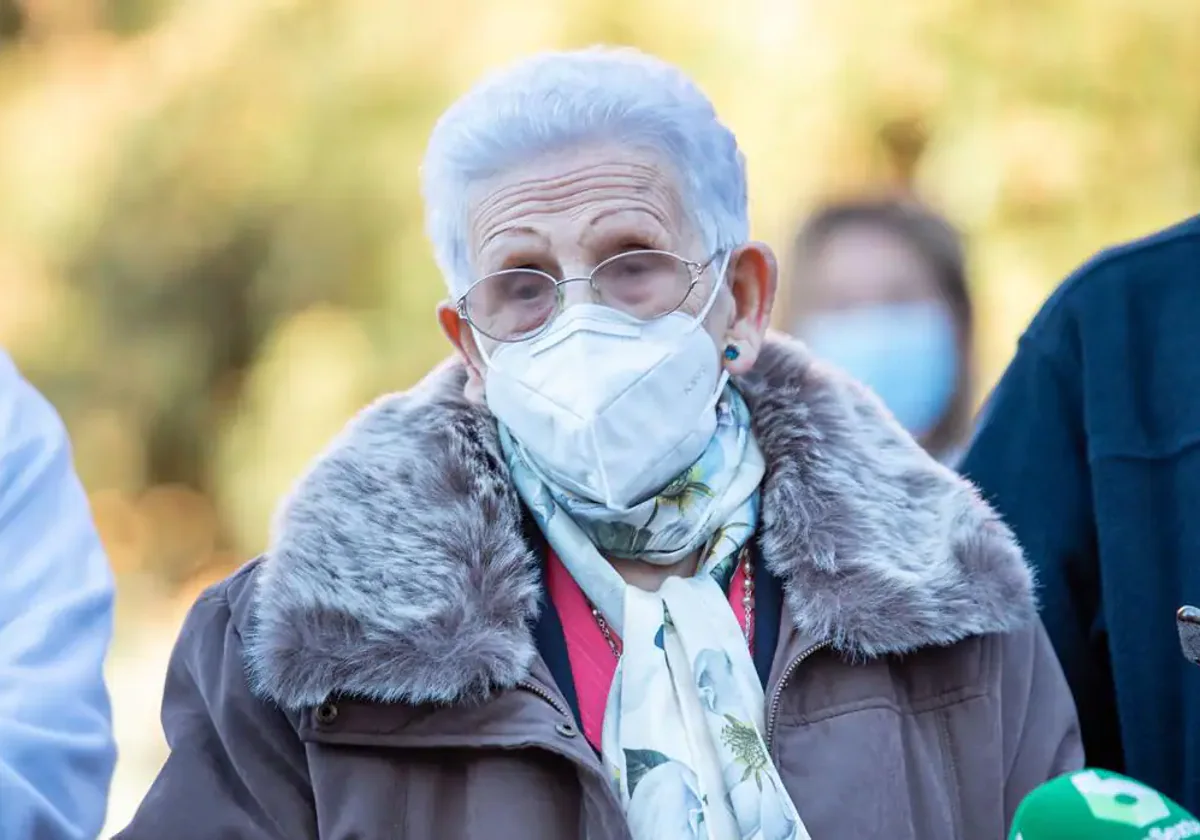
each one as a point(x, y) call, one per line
point(593, 665)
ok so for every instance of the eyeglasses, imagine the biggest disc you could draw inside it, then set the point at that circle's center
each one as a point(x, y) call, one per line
point(518, 303)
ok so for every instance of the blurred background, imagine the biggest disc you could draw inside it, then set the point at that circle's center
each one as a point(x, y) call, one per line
point(211, 245)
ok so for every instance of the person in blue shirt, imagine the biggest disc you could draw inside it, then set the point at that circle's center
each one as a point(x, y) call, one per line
point(56, 596)
point(1090, 449)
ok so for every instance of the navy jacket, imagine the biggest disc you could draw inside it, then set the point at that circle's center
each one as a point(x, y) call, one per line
point(1090, 448)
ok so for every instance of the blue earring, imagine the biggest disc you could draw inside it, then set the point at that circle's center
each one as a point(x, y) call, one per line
point(732, 352)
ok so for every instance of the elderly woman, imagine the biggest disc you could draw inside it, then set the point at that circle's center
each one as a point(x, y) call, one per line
point(629, 568)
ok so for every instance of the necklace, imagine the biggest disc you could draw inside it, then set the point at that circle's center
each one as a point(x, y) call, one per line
point(747, 607)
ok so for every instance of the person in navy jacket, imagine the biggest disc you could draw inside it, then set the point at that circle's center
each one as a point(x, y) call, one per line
point(1090, 449)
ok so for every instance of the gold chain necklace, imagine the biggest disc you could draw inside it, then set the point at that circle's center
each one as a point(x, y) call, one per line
point(747, 607)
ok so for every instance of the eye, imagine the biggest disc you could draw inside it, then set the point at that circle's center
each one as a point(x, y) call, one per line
point(529, 289)
point(635, 265)
point(522, 286)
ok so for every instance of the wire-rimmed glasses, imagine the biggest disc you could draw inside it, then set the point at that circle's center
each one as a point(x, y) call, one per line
point(516, 304)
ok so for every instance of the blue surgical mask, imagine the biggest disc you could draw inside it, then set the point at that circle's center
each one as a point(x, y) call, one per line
point(906, 353)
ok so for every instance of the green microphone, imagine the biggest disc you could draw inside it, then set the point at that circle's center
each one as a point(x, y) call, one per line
point(1099, 805)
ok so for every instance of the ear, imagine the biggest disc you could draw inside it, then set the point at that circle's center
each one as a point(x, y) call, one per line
point(459, 332)
point(753, 277)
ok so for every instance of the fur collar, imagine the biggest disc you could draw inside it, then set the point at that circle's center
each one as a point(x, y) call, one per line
point(398, 570)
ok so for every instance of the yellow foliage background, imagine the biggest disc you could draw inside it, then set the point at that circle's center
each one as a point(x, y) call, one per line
point(211, 246)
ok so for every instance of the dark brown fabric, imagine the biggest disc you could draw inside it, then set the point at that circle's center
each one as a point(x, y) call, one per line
point(940, 744)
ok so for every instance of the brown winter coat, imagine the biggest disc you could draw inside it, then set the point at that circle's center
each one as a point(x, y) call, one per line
point(375, 675)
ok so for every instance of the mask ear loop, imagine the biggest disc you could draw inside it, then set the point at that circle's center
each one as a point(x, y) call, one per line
point(488, 362)
point(718, 283)
point(720, 389)
point(712, 299)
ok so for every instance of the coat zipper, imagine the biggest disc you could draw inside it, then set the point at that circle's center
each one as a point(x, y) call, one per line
point(777, 697)
point(545, 695)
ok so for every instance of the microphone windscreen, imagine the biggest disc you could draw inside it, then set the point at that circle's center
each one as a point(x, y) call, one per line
point(1099, 805)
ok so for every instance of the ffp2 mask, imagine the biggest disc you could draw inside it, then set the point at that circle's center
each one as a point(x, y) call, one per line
point(607, 406)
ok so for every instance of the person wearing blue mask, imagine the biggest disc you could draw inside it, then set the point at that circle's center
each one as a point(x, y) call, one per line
point(56, 597)
point(878, 288)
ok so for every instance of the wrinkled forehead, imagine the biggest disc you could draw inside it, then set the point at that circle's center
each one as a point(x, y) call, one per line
point(579, 202)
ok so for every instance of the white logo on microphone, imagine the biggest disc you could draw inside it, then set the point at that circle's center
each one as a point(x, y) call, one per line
point(1180, 831)
point(1120, 800)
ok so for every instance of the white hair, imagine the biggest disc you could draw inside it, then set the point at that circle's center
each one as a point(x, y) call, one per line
point(556, 100)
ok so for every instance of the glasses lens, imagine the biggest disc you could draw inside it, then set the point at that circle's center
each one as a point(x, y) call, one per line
point(645, 284)
point(512, 305)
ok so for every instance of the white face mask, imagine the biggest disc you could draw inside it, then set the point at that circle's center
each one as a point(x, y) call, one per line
point(607, 406)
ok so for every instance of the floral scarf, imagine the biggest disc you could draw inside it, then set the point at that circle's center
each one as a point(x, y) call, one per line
point(682, 737)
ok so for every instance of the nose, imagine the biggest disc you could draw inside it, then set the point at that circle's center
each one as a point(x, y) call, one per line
point(577, 289)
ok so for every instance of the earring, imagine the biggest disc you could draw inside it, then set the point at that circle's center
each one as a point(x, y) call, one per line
point(732, 352)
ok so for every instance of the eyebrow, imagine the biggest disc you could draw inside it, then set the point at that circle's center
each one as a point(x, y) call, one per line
point(663, 225)
point(519, 230)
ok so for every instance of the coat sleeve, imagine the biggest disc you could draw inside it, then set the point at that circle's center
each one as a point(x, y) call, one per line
point(1029, 459)
point(1037, 716)
point(56, 593)
point(236, 767)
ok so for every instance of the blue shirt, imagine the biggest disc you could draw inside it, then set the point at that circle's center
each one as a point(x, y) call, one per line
point(56, 593)
point(1090, 449)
